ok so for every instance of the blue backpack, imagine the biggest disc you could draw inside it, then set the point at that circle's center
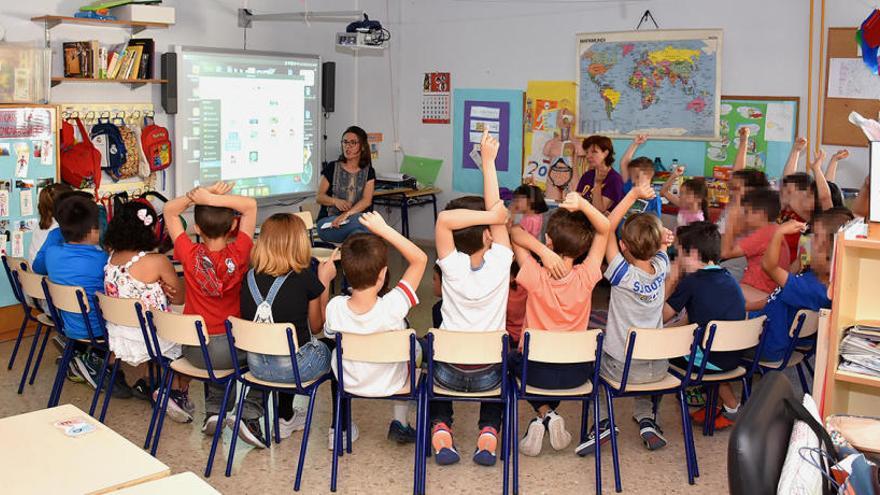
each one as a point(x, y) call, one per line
point(113, 148)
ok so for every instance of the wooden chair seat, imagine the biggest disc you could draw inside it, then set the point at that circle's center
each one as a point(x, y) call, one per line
point(716, 377)
point(266, 383)
point(796, 358)
point(183, 366)
point(45, 319)
point(584, 389)
point(670, 381)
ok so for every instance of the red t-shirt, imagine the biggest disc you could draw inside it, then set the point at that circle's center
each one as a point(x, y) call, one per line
point(791, 240)
point(516, 311)
point(213, 279)
point(754, 246)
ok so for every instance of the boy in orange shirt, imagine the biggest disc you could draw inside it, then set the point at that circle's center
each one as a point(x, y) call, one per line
point(559, 299)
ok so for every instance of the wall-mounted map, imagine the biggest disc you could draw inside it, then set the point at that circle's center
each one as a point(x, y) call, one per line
point(666, 84)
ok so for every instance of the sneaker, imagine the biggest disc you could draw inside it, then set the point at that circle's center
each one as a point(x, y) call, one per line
point(249, 431)
point(652, 435)
point(286, 427)
point(209, 427)
point(175, 409)
point(444, 449)
point(121, 390)
point(59, 343)
point(533, 440)
point(722, 420)
point(587, 447)
point(73, 374)
point(484, 454)
point(730, 415)
point(560, 438)
point(141, 390)
point(401, 434)
point(354, 436)
point(694, 397)
point(187, 405)
point(85, 369)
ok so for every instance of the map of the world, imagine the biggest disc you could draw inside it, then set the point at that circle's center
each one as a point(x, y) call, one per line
point(661, 83)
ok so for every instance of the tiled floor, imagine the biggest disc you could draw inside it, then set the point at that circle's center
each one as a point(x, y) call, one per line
point(378, 466)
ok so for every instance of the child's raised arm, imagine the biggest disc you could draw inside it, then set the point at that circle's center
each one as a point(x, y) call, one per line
point(740, 162)
point(489, 151)
point(416, 258)
point(666, 190)
point(524, 244)
point(173, 210)
point(628, 156)
point(450, 220)
point(799, 145)
point(831, 171)
point(247, 224)
point(640, 191)
point(601, 225)
point(770, 261)
point(822, 188)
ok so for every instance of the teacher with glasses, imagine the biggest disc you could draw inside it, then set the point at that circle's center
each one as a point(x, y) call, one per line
point(346, 188)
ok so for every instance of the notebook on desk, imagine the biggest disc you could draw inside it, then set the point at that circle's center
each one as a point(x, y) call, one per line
point(425, 170)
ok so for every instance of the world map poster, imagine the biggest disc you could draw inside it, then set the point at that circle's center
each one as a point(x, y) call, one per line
point(666, 84)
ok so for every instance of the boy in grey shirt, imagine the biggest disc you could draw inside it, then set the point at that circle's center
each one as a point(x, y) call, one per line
point(637, 271)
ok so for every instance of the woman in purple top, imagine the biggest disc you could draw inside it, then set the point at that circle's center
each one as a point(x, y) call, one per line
point(601, 185)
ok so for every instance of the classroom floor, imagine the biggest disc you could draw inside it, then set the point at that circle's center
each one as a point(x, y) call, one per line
point(378, 466)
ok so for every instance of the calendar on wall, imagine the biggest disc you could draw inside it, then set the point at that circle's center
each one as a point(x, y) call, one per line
point(436, 98)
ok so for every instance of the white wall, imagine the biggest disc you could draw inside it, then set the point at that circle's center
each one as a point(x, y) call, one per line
point(483, 43)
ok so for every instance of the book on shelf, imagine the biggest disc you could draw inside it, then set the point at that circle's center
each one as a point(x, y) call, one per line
point(860, 350)
point(90, 60)
point(114, 57)
point(78, 59)
point(145, 47)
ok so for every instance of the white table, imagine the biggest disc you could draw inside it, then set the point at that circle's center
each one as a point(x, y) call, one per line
point(179, 484)
point(39, 458)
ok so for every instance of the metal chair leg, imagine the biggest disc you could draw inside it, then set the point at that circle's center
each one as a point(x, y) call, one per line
point(40, 355)
point(18, 338)
point(27, 365)
point(218, 430)
point(618, 486)
point(109, 392)
point(164, 395)
point(235, 429)
point(685, 421)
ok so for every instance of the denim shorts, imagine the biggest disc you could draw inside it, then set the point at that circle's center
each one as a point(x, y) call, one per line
point(313, 361)
point(479, 380)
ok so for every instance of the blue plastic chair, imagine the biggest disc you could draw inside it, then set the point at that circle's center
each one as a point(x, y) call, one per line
point(278, 339)
point(186, 330)
point(559, 348)
point(466, 348)
point(725, 336)
point(73, 299)
point(655, 344)
point(9, 264)
point(382, 348)
point(30, 286)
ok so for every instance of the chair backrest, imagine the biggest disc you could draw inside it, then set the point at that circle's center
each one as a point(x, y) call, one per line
point(661, 343)
point(306, 217)
point(734, 335)
point(562, 347)
point(64, 297)
point(382, 347)
point(461, 347)
point(262, 338)
point(31, 284)
point(15, 262)
point(811, 323)
point(180, 329)
point(119, 310)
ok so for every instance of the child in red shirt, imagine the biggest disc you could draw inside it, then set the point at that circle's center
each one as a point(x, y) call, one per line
point(213, 271)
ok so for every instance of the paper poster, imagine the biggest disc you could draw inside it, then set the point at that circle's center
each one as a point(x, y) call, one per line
point(374, 138)
point(546, 112)
point(4, 203)
point(780, 122)
point(487, 114)
point(47, 153)
point(850, 78)
point(549, 117)
point(436, 98)
point(22, 159)
point(29, 225)
point(26, 196)
point(42, 183)
point(3, 242)
point(4, 149)
point(17, 244)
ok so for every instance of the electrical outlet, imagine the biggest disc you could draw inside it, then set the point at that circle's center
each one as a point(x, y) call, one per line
point(396, 146)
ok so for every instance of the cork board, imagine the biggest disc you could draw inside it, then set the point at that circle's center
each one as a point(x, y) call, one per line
point(836, 129)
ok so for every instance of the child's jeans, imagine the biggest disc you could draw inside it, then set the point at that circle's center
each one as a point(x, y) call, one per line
point(218, 351)
point(312, 360)
point(453, 378)
point(640, 371)
point(339, 235)
point(550, 376)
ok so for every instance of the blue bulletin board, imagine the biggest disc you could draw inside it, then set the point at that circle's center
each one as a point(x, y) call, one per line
point(28, 161)
point(501, 111)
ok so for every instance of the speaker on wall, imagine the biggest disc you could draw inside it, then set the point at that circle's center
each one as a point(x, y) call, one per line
point(328, 86)
point(169, 89)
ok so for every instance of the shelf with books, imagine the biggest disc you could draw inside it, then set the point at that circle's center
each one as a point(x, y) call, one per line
point(134, 83)
point(51, 21)
point(858, 378)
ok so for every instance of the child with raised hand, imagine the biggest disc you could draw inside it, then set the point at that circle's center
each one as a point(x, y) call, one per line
point(698, 284)
point(806, 290)
point(637, 269)
point(281, 288)
point(559, 299)
point(473, 250)
point(831, 170)
point(692, 199)
point(749, 233)
point(213, 273)
point(136, 271)
point(528, 208)
point(365, 265)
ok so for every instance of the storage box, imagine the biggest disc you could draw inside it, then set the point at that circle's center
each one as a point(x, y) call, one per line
point(144, 13)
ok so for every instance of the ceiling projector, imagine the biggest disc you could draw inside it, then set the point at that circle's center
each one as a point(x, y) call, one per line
point(364, 34)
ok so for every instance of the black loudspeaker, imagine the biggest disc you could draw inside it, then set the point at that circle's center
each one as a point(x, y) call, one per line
point(169, 89)
point(328, 86)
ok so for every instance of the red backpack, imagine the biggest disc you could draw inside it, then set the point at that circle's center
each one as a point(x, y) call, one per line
point(157, 145)
point(80, 161)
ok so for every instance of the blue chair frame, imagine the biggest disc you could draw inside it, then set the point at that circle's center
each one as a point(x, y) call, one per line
point(428, 395)
point(16, 292)
point(28, 312)
point(519, 392)
point(794, 336)
point(310, 390)
point(343, 399)
point(611, 394)
point(158, 417)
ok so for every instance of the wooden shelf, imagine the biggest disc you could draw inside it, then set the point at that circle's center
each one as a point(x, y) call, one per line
point(847, 376)
point(134, 83)
point(862, 243)
point(50, 21)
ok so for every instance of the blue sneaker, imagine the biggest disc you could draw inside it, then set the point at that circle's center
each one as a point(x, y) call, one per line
point(484, 454)
point(444, 449)
point(402, 434)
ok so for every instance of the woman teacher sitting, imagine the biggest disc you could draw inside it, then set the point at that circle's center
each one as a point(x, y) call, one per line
point(346, 188)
